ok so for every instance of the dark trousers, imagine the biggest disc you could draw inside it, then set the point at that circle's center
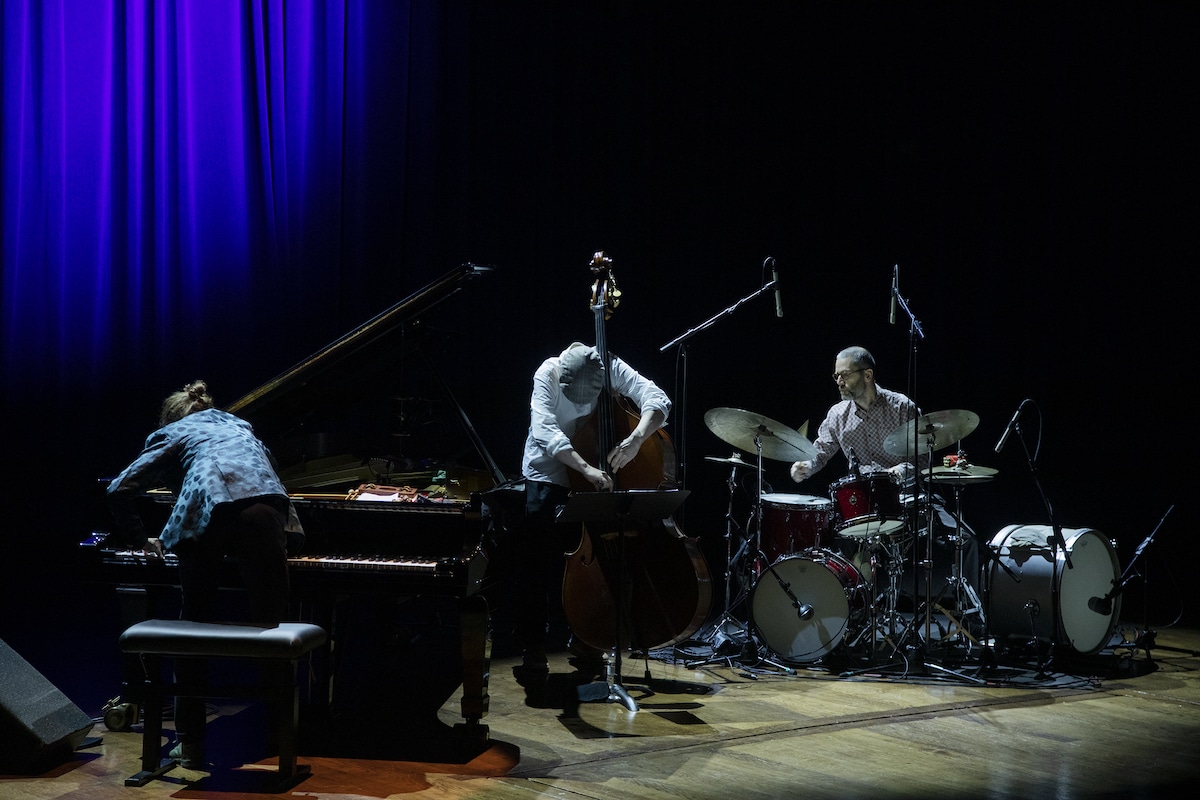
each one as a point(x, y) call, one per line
point(252, 533)
point(541, 563)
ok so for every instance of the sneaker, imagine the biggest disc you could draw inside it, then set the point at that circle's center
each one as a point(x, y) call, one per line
point(189, 756)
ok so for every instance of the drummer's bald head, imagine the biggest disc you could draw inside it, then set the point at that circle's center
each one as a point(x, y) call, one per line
point(858, 356)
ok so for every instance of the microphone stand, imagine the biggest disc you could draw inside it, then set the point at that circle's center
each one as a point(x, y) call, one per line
point(1145, 637)
point(1057, 543)
point(915, 332)
point(682, 393)
point(1060, 543)
point(681, 403)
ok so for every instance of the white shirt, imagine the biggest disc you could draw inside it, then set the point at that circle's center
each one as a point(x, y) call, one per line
point(553, 419)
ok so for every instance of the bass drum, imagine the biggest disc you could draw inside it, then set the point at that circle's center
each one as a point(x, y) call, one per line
point(821, 579)
point(1062, 597)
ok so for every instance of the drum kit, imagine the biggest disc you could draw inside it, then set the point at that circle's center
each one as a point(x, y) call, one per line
point(822, 575)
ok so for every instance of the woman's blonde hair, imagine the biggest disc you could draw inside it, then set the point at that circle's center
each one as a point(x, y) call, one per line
point(188, 400)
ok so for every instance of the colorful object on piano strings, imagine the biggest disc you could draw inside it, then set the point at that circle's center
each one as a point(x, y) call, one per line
point(397, 494)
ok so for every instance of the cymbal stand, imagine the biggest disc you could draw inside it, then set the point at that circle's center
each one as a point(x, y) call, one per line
point(960, 586)
point(760, 558)
point(728, 628)
point(760, 561)
point(928, 606)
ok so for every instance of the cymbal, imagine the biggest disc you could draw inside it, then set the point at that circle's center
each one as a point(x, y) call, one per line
point(961, 476)
point(740, 429)
point(734, 459)
point(939, 429)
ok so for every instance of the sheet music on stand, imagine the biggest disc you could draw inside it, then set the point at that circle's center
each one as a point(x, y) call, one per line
point(631, 505)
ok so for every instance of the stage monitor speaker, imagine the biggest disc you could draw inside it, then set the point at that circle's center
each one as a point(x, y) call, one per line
point(39, 726)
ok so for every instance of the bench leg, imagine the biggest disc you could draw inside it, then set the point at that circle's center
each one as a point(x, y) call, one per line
point(283, 675)
point(153, 764)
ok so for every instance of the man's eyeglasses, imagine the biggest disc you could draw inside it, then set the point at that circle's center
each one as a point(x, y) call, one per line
point(846, 373)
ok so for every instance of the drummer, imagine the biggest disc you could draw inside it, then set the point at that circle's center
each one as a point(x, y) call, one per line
point(857, 426)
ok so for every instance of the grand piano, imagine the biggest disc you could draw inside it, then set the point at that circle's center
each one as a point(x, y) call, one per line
point(386, 481)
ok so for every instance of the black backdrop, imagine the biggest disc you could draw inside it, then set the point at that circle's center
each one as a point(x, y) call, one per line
point(1031, 172)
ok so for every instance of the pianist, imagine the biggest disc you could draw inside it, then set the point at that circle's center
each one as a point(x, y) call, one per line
point(230, 502)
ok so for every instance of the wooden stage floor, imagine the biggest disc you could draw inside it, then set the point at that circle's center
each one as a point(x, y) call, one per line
point(1123, 723)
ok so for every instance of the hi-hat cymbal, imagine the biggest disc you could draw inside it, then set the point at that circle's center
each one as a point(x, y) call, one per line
point(742, 428)
point(962, 476)
point(734, 459)
point(931, 431)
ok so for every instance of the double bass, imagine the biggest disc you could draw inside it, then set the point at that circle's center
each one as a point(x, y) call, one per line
point(636, 585)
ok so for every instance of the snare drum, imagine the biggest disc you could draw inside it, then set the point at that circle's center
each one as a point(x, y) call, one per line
point(1047, 599)
point(868, 506)
point(822, 585)
point(793, 522)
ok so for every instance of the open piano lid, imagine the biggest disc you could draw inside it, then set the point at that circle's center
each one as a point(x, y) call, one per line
point(345, 414)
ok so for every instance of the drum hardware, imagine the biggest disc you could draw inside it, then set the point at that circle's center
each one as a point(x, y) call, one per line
point(934, 431)
point(728, 630)
point(884, 621)
point(966, 600)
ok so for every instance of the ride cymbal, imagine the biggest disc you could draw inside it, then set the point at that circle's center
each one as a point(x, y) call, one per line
point(743, 428)
point(931, 431)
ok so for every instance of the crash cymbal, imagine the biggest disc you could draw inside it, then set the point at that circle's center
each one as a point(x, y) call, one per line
point(734, 459)
point(740, 429)
point(939, 429)
point(961, 476)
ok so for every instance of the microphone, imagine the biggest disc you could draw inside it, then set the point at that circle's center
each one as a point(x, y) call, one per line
point(804, 610)
point(1012, 423)
point(895, 291)
point(1101, 605)
point(1104, 605)
point(775, 280)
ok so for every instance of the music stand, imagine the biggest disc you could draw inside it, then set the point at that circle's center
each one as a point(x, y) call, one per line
point(621, 508)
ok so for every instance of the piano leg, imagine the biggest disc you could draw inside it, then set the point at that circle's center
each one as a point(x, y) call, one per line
point(476, 664)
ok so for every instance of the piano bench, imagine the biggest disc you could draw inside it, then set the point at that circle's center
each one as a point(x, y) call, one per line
point(278, 649)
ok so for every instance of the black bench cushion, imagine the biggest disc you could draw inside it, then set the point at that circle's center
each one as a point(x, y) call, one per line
point(288, 640)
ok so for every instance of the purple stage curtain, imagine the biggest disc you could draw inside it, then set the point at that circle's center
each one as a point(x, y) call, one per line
point(181, 176)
